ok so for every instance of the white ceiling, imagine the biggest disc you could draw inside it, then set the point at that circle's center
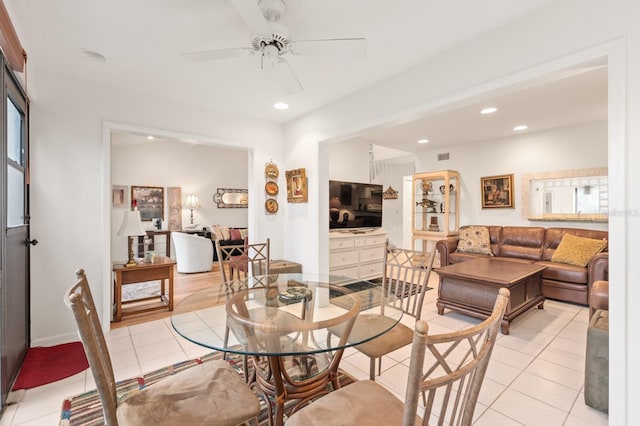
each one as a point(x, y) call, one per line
point(142, 41)
point(569, 98)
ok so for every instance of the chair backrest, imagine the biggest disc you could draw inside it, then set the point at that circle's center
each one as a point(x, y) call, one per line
point(450, 384)
point(79, 299)
point(252, 259)
point(406, 275)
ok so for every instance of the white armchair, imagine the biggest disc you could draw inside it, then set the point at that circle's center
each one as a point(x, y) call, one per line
point(193, 253)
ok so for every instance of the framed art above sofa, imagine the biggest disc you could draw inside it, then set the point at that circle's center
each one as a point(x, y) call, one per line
point(497, 191)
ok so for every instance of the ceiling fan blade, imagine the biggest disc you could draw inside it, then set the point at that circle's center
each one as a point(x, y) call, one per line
point(252, 15)
point(214, 55)
point(282, 72)
point(337, 47)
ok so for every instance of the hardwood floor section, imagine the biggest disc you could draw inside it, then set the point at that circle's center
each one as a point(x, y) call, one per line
point(183, 286)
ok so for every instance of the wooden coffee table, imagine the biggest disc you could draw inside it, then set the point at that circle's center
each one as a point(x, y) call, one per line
point(471, 287)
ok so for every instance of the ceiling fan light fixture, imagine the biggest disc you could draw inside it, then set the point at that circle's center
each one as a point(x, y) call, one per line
point(281, 105)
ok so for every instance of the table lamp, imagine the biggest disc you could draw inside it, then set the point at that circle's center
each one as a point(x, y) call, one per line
point(192, 203)
point(131, 227)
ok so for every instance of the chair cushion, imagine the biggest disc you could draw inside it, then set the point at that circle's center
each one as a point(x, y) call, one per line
point(577, 250)
point(397, 337)
point(210, 393)
point(361, 403)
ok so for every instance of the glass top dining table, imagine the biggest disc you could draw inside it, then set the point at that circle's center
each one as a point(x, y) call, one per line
point(284, 304)
point(293, 327)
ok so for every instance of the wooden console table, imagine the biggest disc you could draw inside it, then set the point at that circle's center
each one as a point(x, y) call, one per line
point(139, 273)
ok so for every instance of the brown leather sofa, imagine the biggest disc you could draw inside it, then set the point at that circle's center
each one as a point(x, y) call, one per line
point(537, 244)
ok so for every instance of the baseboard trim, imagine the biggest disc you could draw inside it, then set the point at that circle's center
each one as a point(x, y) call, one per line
point(56, 340)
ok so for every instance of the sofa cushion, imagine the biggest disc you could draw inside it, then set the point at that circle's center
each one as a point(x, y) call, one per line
point(522, 241)
point(221, 232)
point(474, 239)
point(564, 272)
point(575, 250)
point(235, 234)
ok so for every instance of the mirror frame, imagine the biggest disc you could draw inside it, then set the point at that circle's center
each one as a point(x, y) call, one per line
point(567, 217)
point(218, 198)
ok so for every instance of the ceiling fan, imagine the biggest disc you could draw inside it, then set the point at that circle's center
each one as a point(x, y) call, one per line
point(270, 40)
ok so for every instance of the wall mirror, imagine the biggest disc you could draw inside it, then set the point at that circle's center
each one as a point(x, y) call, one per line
point(227, 198)
point(571, 195)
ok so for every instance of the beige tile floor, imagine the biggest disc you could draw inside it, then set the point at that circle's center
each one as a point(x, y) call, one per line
point(535, 376)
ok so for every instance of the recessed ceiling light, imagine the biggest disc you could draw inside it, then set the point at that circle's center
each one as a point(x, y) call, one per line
point(150, 137)
point(281, 105)
point(93, 55)
point(423, 141)
point(520, 128)
point(488, 110)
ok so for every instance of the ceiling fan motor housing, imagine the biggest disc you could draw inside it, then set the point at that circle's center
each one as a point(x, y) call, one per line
point(279, 38)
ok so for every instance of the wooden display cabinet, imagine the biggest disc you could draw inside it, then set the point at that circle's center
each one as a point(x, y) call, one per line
point(436, 204)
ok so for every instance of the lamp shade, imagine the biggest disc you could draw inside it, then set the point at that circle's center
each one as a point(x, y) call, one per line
point(334, 203)
point(131, 224)
point(192, 202)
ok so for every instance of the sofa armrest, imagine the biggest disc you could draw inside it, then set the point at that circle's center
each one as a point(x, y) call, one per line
point(598, 297)
point(445, 247)
point(598, 268)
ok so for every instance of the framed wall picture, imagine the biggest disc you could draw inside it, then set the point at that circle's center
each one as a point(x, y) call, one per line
point(497, 191)
point(119, 196)
point(174, 195)
point(150, 201)
point(296, 186)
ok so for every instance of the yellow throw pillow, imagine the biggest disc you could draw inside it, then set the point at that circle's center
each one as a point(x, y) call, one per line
point(577, 250)
point(474, 239)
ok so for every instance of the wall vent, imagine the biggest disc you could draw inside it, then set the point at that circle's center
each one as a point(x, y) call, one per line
point(443, 156)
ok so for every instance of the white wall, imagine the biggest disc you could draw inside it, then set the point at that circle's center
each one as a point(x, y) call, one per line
point(71, 121)
point(577, 147)
point(195, 168)
point(567, 32)
point(349, 161)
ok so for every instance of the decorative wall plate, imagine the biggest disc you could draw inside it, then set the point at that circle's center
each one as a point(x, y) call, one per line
point(271, 170)
point(271, 205)
point(271, 188)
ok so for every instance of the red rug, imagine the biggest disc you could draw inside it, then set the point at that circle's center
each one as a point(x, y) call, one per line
point(44, 365)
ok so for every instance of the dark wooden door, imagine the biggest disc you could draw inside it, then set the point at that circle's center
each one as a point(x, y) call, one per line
point(14, 277)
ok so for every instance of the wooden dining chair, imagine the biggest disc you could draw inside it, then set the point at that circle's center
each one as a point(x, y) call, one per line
point(449, 382)
point(247, 259)
point(251, 260)
point(208, 393)
point(406, 275)
point(297, 369)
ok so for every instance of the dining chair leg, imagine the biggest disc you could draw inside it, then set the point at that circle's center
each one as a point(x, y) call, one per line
point(372, 369)
point(226, 342)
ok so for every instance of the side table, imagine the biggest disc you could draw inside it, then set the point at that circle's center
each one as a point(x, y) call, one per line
point(142, 272)
point(281, 266)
